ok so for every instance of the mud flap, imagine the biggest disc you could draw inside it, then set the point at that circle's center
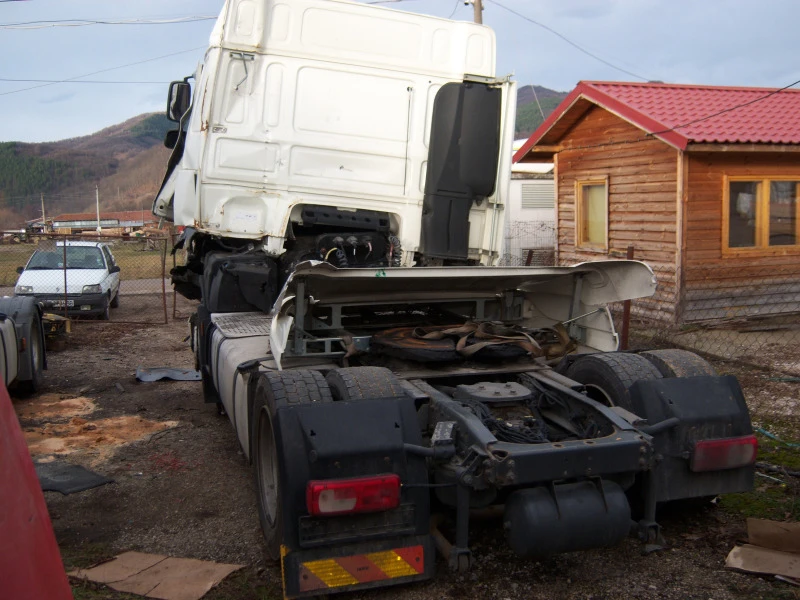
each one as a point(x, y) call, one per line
point(692, 409)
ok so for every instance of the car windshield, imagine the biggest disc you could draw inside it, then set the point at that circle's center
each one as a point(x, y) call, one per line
point(78, 257)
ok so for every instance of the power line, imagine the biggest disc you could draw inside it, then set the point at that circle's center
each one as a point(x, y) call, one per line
point(455, 8)
point(72, 79)
point(569, 41)
point(80, 81)
point(25, 25)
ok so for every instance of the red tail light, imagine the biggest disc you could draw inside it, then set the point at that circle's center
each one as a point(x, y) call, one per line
point(728, 453)
point(345, 496)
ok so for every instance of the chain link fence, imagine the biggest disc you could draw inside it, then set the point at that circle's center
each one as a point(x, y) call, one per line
point(118, 278)
point(749, 315)
point(529, 243)
point(745, 315)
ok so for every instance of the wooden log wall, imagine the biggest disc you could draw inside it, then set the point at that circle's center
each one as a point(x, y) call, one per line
point(745, 283)
point(642, 177)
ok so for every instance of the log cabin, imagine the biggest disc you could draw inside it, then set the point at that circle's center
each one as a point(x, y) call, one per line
point(703, 182)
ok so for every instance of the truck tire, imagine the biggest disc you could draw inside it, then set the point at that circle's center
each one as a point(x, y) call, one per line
point(360, 383)
point(679, 363)
point(273, 391)
point(36, 357)
point(27, 317)
point(608, 376)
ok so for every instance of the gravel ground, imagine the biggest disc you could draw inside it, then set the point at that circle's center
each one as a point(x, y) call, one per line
point(187, 491)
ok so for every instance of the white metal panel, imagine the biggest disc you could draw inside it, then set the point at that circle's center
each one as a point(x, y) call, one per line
point(355, 33)
point(352, 104)
point(226, 356)
point(538, 194)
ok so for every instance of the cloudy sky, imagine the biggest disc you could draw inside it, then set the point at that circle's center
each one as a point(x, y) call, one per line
point(554, 43)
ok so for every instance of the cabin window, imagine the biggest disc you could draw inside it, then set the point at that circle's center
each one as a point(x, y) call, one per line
point(761, 213)
point(592, 214)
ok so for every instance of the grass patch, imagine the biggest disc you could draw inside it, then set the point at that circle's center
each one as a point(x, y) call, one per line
point(776, 496)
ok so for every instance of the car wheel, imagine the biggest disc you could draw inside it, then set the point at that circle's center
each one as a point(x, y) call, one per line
point(115, 300)
point(106, 314)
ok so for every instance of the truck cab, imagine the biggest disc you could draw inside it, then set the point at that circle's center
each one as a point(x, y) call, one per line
point(302, 138)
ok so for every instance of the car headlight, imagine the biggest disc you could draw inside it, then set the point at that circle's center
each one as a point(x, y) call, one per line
point(23, 289)
point(92, 289)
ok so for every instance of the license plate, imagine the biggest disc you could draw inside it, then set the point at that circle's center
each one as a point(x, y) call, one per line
point(60, 303)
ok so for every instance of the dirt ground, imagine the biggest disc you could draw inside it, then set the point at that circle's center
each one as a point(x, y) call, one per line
point(182, 487)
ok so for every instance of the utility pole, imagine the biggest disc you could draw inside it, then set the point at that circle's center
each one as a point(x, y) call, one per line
point(97, 198)
point(478, 6)
point(44, 219)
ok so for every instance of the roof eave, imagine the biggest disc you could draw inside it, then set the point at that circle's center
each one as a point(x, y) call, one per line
point(586, 91)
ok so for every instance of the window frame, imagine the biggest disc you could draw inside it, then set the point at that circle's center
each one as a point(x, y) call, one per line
point(762, 227)
point(580, 239)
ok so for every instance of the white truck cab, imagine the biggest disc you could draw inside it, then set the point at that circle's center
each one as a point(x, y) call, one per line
point(386, 130)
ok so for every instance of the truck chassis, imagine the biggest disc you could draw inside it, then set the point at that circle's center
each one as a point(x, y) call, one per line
point(380, 413)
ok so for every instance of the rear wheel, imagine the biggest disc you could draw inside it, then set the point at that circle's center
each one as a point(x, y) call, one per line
point(609, 376)
point(359, 383)
point(679, 363)
point(273, 391)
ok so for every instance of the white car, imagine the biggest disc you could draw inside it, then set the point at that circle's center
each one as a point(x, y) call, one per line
point(87, 268)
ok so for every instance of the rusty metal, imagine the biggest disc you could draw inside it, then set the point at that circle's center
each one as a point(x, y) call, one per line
point(626, 314)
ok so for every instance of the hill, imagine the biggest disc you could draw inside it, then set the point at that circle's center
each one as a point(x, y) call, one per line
point(127, 162)
point(529, 117)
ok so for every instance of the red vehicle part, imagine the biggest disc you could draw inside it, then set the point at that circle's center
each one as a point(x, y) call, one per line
point(30, 563)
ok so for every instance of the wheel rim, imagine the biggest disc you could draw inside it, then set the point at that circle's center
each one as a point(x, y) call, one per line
point(598, 394)
point(267, 468)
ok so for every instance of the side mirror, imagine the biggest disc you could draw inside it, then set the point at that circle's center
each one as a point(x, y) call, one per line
point(20, 270)
point(179, 100)
point(171, 139)
point(114, 269)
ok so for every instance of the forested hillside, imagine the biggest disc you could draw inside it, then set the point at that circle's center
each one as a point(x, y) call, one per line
point(529, 116)
point(127, 163)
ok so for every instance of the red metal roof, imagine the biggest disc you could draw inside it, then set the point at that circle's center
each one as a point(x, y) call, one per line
point(683, 114)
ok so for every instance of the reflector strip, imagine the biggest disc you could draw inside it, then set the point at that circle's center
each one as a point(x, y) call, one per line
point(392, 564)
point(330, 572)
point(361, 568)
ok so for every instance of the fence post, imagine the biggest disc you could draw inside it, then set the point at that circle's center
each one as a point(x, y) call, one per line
point(163, 278)
point(626, 313)
point(64, 261)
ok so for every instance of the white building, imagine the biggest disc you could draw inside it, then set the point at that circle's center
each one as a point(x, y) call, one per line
point(530, 214)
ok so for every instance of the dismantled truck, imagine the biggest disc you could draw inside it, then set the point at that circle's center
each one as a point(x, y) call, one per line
point(340, 171)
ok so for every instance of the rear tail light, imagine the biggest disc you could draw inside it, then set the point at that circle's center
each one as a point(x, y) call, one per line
point(358, 495)
point(728, 453)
